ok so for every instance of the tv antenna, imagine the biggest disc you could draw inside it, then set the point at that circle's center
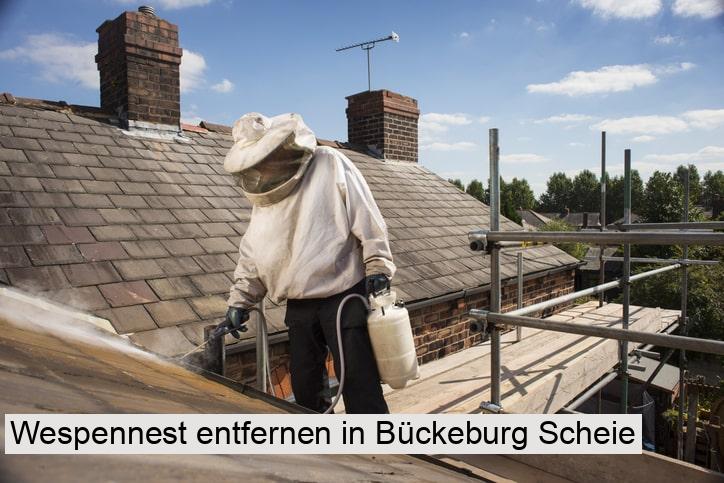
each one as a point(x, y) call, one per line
point(367, 46)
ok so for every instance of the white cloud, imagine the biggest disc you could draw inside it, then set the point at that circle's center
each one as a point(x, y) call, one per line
point(667, 40)
point(62, 58)
point(643, 139)
point(539, 25)
point(576, 144)
point(456, 119)
point(192, 120)
point(612, 78)
point(709, 157)
point(172, 4)
point(191, 116)
point(626, 9)
point(669, 69)
point(642, 125)
point(435, 127)
point(192, 70)
point(224, 86)
point(563, 119)
point(463, 35)
point(440, 146)
point(59, 57)
point(698, 8)
point(705, 118)
point(433, 124)
point(523, 158)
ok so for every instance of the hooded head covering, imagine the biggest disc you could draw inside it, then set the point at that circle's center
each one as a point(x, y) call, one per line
point(269, 155)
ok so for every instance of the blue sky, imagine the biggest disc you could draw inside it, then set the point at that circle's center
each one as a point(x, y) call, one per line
point(550, 74)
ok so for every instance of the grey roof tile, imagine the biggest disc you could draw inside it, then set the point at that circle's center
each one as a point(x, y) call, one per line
point(138, 269)
point(100, 251)
point(145, 249)
point(11, 257)
point(62, 185)
point(112, 232)
point(129, 319)
point(32, 216)
point(36, 279)
point(185, 230)
point(169, 313)
point(58, 146)
point(101, 187)
point(83, 298)
point(95, 273)
point(173, 288)
point(53, 254)
point(61, 234)
point(122, 294)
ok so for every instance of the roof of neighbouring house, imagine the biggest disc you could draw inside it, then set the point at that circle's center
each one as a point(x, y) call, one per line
point(575, 218)
point(144, 232)
point(666, 379)
point(634, 219)
point(532, 218)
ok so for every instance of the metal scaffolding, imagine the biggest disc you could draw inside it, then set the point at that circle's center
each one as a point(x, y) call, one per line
point(627, 233)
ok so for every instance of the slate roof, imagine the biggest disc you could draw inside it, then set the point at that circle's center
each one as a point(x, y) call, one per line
point(575, 219)
point(532, 219)
point(666, 379)
point(144, 232)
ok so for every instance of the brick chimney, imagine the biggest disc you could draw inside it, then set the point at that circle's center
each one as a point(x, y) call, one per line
point(138, 59)
point(385, 121)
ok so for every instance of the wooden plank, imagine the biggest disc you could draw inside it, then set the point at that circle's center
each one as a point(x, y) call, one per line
point(540, 374)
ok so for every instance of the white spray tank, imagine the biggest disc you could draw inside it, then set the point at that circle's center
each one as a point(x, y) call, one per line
point(390, 332)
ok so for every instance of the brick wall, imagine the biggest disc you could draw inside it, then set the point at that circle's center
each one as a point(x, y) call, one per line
point(439, 329)
point(138, 59)
point(385, 120)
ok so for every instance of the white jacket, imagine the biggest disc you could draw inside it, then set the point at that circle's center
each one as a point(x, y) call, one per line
point(321, 239)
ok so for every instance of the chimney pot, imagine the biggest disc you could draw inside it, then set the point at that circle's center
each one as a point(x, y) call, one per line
point(384, 121)
point(147, 10)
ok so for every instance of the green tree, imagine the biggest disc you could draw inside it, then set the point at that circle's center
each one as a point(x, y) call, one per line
point(694, 182)
point(522, 197)
point(558, 193)
point(476, 190)
point(614, 196)
point(576, 249)
point(457, 183)
point(663, 203)
point(713, 187)
point(586, 192)
point(705, 303)
point(662, 199)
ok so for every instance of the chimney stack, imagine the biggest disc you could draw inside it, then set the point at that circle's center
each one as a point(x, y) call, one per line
point(385, 121)
point(139, 59)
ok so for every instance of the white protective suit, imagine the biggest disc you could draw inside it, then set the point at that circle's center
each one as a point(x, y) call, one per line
point(319, 239)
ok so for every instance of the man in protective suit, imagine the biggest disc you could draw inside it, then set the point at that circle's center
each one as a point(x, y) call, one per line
point(315, 236)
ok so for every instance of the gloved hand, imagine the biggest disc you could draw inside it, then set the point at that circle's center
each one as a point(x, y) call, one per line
point(234, 322)
point(376, 284)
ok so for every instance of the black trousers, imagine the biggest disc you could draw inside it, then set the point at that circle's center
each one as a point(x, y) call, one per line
point(312, 332)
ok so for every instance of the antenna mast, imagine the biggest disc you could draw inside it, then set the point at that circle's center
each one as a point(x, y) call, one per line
point(367, 46)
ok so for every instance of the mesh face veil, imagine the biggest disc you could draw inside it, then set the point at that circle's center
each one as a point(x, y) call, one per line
point(269, 155)
point(275, 170)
